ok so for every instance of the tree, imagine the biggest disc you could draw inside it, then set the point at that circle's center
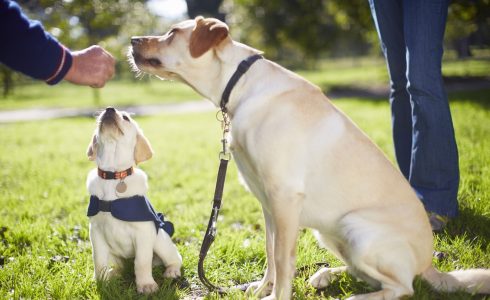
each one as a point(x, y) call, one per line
point(7, 80)
point(305, 29)
point(465, 19)
point(299, 31)
point(206, 8)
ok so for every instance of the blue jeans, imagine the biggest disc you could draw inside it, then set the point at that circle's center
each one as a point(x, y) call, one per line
point(411, 34)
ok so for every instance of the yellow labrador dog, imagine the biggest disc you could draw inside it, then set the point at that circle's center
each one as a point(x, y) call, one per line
point(309, 166)
point(123, 223)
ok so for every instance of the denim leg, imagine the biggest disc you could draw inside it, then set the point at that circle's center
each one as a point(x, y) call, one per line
point(434, 170)
point(388, 19)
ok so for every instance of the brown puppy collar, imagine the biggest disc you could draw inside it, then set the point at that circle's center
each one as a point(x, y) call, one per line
point(115, 175)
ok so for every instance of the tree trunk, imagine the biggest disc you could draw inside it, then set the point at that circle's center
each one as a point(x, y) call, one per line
point(462, 47)
point(7, 80)
point(96, 96)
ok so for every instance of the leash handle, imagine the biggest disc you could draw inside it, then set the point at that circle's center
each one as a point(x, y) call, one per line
point(212, 227)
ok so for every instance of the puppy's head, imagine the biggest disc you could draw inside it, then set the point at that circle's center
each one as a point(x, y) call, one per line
point(118, 140)
point(187, 45)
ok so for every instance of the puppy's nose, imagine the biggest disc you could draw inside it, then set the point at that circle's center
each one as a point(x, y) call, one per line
point(136, 41)
point(110, 109)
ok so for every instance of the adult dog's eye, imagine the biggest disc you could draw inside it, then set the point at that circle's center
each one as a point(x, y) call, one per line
point(154, 62)
point(125, 118)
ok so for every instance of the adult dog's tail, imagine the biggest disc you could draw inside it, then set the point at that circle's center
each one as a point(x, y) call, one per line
point(473, 281)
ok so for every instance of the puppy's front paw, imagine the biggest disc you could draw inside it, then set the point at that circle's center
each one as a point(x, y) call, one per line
point(259, 288)
point(172, 272)
point(105, 273)
point(147, 287)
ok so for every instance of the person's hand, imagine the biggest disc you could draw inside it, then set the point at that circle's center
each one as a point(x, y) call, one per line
point(92, 66)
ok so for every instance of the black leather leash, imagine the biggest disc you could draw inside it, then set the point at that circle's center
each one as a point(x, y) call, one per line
point(211, 230)
point(225, 157)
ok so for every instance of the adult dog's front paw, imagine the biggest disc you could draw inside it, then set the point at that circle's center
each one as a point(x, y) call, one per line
point(172, 272)
point(147, 287)
point(259, 288)
point(323, 277)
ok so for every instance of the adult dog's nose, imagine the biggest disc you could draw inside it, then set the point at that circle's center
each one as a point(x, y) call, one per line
point(110, 109)
point(136, 41)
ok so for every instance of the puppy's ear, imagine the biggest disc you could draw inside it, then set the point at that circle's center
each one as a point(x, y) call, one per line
point(142, 150)
point(92, 148)
point(207, 34)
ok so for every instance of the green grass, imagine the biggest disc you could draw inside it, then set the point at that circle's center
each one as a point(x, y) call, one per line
point(369, 72)
point(43, 205)
point(116, 93)
point(329, 75)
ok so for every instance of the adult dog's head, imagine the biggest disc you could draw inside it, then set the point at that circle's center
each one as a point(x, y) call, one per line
point(182, 46)
point(118, 142)
point(198, 52)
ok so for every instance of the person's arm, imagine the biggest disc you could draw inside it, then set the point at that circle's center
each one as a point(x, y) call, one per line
point(28, 48)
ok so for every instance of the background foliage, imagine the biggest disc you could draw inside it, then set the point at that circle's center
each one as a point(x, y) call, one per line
point(296, 33)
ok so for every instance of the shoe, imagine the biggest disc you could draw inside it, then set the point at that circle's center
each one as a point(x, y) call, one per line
point(437, 222)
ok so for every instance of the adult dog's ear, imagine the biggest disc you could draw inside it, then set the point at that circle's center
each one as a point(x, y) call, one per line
point(207, 34)
point(92, 148)
point(142, 150)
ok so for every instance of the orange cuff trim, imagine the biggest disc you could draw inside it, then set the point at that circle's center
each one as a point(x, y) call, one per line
point(60, 66)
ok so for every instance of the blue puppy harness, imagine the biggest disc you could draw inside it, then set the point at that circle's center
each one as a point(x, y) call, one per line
point(132, 209)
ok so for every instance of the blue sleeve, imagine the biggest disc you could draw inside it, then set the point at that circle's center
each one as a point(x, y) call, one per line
point(27, 48)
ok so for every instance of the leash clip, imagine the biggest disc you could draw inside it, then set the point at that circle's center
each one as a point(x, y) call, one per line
point(225, 125)
point(225, 153)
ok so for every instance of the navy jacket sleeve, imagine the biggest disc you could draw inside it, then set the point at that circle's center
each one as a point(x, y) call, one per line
point(27, 48)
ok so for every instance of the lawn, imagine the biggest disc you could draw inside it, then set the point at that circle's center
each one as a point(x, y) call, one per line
point(44, 246)
point(116, 93)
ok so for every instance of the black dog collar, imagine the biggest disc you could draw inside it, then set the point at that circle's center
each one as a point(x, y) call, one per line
point(241, 69)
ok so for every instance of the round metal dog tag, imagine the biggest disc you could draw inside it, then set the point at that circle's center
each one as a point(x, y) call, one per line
point(121, 187)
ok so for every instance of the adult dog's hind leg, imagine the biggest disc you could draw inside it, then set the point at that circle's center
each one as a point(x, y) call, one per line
point(383, 256)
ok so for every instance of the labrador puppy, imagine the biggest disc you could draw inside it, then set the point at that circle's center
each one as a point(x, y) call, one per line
point(309, 166)
point(123, 223)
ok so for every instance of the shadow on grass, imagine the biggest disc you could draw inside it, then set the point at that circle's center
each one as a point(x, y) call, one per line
point(424, 291)
point(472, 225)
point(346, 285)
point(124, 286)
point(473, 89)
point(479, 97)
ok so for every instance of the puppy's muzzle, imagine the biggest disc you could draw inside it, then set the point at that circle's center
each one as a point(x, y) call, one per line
point(109, 115)
point(110, 110)
point(108, 120)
